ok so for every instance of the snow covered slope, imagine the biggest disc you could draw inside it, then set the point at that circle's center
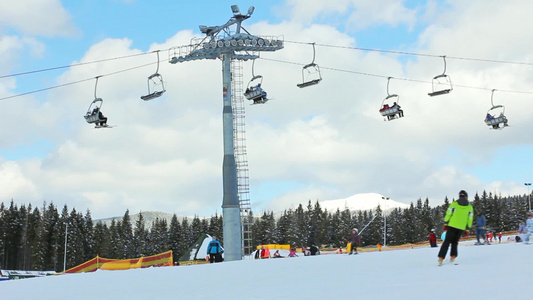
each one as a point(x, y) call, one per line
point(498, 271)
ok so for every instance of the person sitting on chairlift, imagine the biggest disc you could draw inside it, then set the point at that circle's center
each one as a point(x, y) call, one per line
point(103, 120)
point(490, 117)
point(400, 111)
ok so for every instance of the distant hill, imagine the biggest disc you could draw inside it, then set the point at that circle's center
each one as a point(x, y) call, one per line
point(368, 201)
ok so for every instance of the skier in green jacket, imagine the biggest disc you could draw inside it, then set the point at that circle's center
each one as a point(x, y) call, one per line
point(457, 222)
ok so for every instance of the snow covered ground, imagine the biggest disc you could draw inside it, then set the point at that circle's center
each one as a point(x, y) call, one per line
point(498, 271)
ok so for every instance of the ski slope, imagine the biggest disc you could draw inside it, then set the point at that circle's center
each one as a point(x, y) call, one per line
point(497, 271)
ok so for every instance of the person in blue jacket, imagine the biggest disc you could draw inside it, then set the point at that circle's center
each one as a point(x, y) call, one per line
point(480, 231)
point(214, 249)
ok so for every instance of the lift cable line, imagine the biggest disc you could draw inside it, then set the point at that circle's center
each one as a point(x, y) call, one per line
point(72, 65)
point(73, 82)
point(268, 59)
point(418, 54)
point(398, 78)
point(293, 42)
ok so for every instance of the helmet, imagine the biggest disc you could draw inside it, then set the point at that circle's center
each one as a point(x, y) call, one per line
point(463, 193)
point(355, 229)
point(432, 229)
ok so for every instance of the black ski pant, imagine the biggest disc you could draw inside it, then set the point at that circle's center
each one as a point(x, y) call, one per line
point(353, 247)
point(452, 237)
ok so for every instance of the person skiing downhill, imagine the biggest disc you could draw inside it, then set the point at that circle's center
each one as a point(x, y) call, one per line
point(354, 239)
point(457, 222)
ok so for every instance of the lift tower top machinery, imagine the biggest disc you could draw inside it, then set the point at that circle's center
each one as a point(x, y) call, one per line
point(228, 42)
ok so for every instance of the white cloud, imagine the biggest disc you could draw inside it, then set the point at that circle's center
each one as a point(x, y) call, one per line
point(357, 14)
point(37, 17)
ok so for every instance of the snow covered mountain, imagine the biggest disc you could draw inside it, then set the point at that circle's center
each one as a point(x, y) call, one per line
point(148, 216)
point(365, 201)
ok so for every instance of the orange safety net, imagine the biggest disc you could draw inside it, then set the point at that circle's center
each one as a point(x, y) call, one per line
point(158, 260)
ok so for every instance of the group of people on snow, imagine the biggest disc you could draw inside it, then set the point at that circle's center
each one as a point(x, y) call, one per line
point(457, 223)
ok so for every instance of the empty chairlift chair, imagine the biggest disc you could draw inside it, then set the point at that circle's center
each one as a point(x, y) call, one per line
point(496, 115)
point(156, 86)
point(441, 84)
point(390, 107)
point(310, 73)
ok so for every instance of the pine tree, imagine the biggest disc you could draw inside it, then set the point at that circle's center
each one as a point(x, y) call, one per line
point(126, 236)
point(102, 240)
point(176, 238)
point(140, 237)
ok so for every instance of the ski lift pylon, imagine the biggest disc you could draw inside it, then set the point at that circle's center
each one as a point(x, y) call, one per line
point(254, 90)
point(393, 111)
point(491, 119)
point(310, 73)
point(156, 86)
point(441, 84)
point(94, 114)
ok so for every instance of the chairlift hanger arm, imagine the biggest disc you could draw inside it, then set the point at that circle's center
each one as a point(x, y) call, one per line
point(492, 97)
point(95, 86)
point(444, 72)
point(388, 81)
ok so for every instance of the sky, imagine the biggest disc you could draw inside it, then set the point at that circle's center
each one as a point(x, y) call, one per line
point(498, 271)
point(318, 143)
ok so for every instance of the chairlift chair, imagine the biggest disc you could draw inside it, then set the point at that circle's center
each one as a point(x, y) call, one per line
point(254, 90)
point(389, 111)
point(441, 84)
point(93, 116)
point(494, 122)
point(92, 112)
point(156, 86)
point(310, 73)
point(491, 119)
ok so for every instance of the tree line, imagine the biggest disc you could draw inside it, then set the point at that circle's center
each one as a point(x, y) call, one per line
point(36, 238)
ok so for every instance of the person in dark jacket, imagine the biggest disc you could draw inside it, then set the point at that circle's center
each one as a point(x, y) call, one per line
point(313, 249)
point(457, 222)
point(432, 239)
point(354, 240)
point(214, 249)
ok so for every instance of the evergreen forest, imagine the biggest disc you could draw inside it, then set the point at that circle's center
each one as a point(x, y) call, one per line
point(33, 238)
